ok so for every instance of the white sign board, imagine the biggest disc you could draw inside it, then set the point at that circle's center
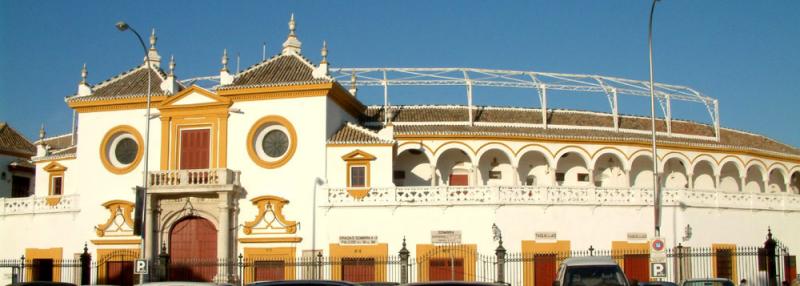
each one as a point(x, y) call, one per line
point(446, 237)
point(550, 235)
point(658, 270)
point(140, 267)
point(358, 239)
point(637, 236)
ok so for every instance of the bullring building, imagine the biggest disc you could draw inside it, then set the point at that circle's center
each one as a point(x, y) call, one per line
point(282, 161)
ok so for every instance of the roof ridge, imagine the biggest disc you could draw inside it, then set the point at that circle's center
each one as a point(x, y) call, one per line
point(158, 71)
point(255, 66)
point(364, 130)
point(54, 137)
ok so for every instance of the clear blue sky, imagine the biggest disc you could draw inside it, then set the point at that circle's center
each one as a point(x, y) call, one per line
point(745, 53)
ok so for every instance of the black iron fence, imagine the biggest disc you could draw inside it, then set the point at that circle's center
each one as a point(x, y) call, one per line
point(769, 265)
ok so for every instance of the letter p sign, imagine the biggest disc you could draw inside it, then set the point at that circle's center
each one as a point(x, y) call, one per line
point(140, 267)
point(658, 270)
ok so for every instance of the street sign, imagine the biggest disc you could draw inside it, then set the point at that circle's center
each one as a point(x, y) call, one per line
point(138, 211)
point(657, 245)
point(141, 267)
point(440, 237)
point(658, 270)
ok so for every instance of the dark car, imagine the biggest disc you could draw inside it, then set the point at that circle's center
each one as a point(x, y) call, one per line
point(657, 283)
point(708, 282)
point(454, 283)
point(42, 283)
point(378, 283)
point(302, 282)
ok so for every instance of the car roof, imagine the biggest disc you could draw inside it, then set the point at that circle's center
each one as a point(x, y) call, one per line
point(590, 260)
point(302, 282)
point(707, 279)
point(453, 283)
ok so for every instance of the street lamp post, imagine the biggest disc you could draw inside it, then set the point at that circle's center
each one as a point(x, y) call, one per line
point(656, 191)
point(122, 26)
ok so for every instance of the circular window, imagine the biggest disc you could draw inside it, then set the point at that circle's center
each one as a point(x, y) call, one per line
point(271, 141)
point(121, 149)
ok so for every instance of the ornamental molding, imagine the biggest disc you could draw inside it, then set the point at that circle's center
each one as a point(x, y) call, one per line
point(270, 218)
point(120, 219)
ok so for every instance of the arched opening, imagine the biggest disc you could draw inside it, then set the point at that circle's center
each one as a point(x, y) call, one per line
point(412, 168)
point(729, 178)
point(794, 182)
point(495, 169)
point(608, 172)
point(571, 170)
point(703, 176)
point(754, 180)
point(674, 175)
point(192, 243)
point(454, 168)
point(534, 169)
point(776, 182)
point(642, 172)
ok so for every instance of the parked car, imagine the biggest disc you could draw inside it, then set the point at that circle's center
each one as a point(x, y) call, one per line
point(378, 283)
point(657, 283)
point(42, 283)
point(182, 283)
point(590, 271)
point(708, 282)
point(302, 282)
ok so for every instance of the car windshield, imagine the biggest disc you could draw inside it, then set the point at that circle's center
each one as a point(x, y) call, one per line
point(708, 283)
point(594, 276)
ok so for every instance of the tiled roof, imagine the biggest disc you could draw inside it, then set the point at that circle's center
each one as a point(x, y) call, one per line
point(13, 141)
point(564, 124)
point(282, 69)
point(132, 83)
point(354, 134)
point(57, 142)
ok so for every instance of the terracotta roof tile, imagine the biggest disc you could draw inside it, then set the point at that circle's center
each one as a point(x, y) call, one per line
point(422, 120)
point(350, 133)
point(12, 141)
point(127, 84)
point(57, 142)
point(287, 68)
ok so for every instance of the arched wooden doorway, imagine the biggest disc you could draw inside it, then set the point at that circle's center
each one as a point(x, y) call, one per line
point(193, 250)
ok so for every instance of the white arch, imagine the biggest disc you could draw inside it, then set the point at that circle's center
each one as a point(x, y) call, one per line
point(453, 146)
point(613, 152)
point(680, 156)
point(706, 158)
point(535, 148)
point(570, 149)
point(635, 155)
point(736, 162)
point(496, 146)
point(762, 168)
point(779, 167)
point(418, 147)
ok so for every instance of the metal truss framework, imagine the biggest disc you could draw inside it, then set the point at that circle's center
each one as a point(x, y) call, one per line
point(611, 87)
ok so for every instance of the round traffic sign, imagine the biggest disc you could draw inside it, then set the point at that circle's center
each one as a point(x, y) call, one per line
point(657, 245)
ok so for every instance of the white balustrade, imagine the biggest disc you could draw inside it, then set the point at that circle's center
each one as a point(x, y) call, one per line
point(37, 205)
point(561, 195)
point(198, 177)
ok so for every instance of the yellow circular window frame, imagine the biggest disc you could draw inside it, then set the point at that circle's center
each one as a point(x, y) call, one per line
point(251, 136)
point(107, 140)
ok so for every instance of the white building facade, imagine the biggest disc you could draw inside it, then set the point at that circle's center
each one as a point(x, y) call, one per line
point(280, 159)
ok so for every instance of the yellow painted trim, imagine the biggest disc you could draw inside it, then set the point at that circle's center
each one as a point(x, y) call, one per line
point(427, 251)
point(116, 242)
point(287, 254)
point(530, 248)
point(54, 169)
point(115, 104)
point(53, 200)
point(251, 136)
point(355, 159)
point(107, 140)
point(56, 254)
point(113, 206)
point(359, 145)
point(276, 205)
point(445, 144)
point(430, 150)
point(333, 90)
point(169, 103)
point(379, 252)
point(619, 248)
point(614, 150)
point(270, 239)
point(105, 255)
point(507, 151)
point(358, 155)
point(718, 246)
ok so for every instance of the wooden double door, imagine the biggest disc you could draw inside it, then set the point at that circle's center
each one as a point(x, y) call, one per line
point(193, 250)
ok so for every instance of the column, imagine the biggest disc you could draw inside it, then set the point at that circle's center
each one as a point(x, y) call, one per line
point(716, 181)
point(149, 228)
point(626, 175)
point(223, 237)
point(515, 175)
point(742, 182)
point(552, 174)
point(765, 186)
point(434, 178)
point(591, 177)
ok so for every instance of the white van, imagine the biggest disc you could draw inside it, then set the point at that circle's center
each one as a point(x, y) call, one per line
point(590, 271)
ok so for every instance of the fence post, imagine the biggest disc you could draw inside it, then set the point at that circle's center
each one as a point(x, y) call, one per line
point(318, 271)
point(20, 277)
point(500, 252)
point(86, 268)
point(241, 269)
point(772, 269)
point(404, 254)
point(163, 264)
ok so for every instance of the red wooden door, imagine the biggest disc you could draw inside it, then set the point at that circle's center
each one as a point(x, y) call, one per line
point(195, 147)
point(119, 273)
point(443, 269)
point(637, 267)
point(358, 269)
point(544, 269)
point(459, 180)
point(193, 250)
point(269, 270)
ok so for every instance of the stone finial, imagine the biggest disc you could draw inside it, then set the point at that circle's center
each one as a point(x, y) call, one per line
point(324, 52)
point(84, 73)
point(153, 39)
point(225, 60)
point(172, 65)
point(353, 88)
point(42, 133)
point(292, 44)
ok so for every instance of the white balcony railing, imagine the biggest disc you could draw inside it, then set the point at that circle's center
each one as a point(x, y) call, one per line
point(37, 205)
point(541, 195)
point(198, 177)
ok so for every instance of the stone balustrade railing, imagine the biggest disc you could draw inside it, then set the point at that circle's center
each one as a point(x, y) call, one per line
point(198, 177)
point(541, 195)
point(38, 205)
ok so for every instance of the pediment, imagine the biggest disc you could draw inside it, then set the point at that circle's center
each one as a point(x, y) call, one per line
point(194, 96)
point(358, 155)
point(54, 167)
